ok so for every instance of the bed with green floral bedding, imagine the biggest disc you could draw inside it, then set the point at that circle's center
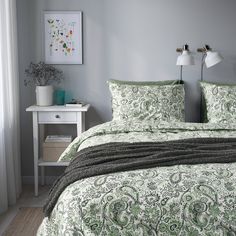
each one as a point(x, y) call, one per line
point(175, 200)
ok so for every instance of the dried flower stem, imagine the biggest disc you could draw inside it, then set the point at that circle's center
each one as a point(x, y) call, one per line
point(41, 74)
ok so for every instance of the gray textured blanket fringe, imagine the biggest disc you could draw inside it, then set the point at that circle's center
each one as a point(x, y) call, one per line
point(116, 157)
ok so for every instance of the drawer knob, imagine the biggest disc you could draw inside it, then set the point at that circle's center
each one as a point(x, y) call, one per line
point(57, 116)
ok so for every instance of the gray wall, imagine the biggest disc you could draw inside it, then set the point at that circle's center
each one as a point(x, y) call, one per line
point(129, 40)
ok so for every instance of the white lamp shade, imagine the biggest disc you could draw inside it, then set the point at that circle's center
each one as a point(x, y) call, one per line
point(212, 59)
point(185, 59)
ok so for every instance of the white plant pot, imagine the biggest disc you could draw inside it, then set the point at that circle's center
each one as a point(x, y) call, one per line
point(44, 95)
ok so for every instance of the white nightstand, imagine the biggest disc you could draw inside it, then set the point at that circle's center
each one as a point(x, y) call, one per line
point(53, 115)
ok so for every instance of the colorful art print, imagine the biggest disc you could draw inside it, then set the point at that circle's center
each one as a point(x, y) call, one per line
point(63, 37)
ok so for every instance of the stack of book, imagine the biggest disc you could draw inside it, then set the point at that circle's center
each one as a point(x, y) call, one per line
point(58, 139)
point(54, 146)
point(75, 103)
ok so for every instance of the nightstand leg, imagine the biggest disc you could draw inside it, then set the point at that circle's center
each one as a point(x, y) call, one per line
point(83, 121)
point(42, 175)
point(36, 152)
point(41, 140)
point(79, 123)
point(36, 180)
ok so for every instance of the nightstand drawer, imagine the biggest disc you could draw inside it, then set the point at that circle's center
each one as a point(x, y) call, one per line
point(57, 117)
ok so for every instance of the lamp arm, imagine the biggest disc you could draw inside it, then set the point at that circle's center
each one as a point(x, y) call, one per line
point(181, 73)
point(201, 94)
point(202, 64)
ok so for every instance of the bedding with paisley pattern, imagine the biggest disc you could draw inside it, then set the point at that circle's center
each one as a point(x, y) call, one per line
point(175, 200)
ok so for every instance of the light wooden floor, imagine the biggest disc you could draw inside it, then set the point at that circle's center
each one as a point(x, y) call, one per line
point(27, 199)
point(26, 222)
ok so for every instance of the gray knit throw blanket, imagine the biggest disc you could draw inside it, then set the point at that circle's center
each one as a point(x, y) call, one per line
point(116, 157)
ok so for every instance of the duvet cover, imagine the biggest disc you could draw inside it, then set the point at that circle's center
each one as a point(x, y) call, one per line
point(172, 200)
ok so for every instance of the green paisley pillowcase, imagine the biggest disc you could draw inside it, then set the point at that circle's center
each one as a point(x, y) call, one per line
point(220, 102)
point(160, 101)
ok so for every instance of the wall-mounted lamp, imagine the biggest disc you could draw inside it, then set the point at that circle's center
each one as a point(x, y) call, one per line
point(209, 57)
point(184, 59)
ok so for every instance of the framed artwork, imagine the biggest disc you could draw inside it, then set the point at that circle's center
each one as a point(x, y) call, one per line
point(63, 37)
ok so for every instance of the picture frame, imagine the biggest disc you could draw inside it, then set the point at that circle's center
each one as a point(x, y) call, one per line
point(63, 39)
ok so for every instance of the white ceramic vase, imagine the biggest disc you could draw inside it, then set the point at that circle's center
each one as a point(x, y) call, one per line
point(44, 95)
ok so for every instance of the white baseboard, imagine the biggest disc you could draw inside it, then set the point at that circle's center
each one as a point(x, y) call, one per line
point(30, 179)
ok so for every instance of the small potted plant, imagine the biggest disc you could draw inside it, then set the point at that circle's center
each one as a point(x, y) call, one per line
point(43, 76)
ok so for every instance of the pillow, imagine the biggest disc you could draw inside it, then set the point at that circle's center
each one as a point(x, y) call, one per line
point(161, 100)
point(220, 102)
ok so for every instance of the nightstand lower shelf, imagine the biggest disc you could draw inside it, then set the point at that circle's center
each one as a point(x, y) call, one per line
point(41, 162)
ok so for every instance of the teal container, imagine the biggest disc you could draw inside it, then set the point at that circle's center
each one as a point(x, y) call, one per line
point(60, 97)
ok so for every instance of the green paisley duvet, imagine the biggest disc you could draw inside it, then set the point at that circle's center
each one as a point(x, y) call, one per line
point(178, 200)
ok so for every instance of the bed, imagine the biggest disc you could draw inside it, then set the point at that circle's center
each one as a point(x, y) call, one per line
point(147, 172)
point(197, 199)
